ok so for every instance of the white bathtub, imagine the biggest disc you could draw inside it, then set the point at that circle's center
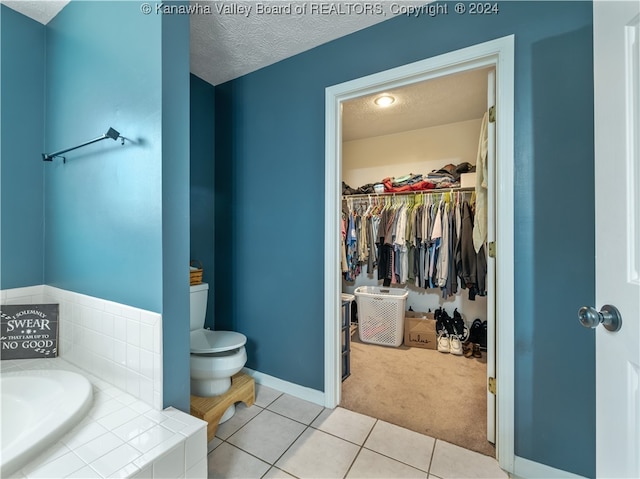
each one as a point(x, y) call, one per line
point(38, 407)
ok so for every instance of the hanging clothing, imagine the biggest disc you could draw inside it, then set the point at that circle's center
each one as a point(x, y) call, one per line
point(372, 261)
point(433, 247)
point(385, 247)
point(472, 266)
point(482, 178)
point(428, 243)
point(436, 241)
point(443, 255)
point(466, 257)
point(352, 249)
point(344, 266)
point(451, 285)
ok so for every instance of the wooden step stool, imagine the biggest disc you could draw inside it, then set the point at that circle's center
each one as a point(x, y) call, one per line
point(211, 409)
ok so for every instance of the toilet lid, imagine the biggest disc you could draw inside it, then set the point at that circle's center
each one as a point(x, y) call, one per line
point(207, 341)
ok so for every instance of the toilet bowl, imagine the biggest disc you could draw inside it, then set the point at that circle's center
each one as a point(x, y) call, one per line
point(215, 355)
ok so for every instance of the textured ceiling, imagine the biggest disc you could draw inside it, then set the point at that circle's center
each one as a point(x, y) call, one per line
point(440, 101)
point(227, 45)
point(41, 10)
point(224, 47)
point(231, 43)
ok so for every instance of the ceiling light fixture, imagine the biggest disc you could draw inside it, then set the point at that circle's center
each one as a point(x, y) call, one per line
point(384, 100)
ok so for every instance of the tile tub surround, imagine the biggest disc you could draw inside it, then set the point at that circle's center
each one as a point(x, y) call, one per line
point(120, 437)
point(117, 343)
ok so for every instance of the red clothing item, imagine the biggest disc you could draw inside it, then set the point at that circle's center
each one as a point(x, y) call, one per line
point(419, 186)
point(423, 185)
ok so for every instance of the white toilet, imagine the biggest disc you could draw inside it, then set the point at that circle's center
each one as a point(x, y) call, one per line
point(215, 355)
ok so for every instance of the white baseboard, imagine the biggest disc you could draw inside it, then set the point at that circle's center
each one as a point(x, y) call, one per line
point(526, 469)
point(301, 392)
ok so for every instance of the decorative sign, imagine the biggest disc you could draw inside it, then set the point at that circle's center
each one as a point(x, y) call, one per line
point(28, 331)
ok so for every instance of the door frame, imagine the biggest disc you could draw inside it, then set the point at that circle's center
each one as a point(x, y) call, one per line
point(499, 53)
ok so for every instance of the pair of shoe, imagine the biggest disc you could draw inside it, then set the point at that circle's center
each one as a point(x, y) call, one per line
point(459, 327)
point(472, 350)
point(478, 333)
point(477, 336)
point(441, 317)
point(450, 344)
point(445, 324)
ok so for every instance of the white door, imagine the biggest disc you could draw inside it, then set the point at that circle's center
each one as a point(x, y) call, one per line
point(616, 31)
point(491, 263)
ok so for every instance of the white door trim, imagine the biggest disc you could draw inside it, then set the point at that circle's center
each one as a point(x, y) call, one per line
point(498, 53)
point(491, 262)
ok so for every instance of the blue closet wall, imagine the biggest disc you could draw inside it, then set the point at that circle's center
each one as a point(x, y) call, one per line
point(270, 179)
point(22, 143)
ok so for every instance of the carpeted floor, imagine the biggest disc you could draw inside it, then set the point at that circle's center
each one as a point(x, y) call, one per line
point(441, 395)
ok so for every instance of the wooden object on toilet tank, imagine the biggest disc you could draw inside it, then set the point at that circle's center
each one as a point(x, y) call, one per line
point(211, 409)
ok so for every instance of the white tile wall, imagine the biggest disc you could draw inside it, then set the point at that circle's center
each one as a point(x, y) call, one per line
point(120, 437)
point(117, 343)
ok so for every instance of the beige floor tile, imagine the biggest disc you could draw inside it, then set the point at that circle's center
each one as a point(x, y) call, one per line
point(215, 442)
point(316, 454)
point(454, 462)
point(265, 395)
point(229, 462)
point(242, 416)
point(296, 409)
point(349, 425)
point(267, 436)
point(371, 465)
point(401, 444)
point(275, 473)
point(270, 441)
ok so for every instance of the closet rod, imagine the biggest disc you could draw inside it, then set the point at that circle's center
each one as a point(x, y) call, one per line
point(111, 133)
point(428, 192)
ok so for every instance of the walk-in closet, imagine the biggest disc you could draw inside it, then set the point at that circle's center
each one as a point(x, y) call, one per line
point(415, 227)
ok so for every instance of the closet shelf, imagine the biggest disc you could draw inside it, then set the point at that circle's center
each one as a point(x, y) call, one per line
point(406, 193)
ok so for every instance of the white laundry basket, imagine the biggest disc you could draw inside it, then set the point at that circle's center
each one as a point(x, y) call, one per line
point(381, 314)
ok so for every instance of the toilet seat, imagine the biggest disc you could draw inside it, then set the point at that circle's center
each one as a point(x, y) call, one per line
point(205, 341)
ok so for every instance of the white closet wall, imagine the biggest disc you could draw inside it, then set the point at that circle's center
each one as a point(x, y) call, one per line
point(369, 160)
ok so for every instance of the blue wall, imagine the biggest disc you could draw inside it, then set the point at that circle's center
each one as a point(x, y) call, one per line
point(555, 384)
point(202, 181)
point(175, 211)
point(22, 143)
point(117, 217)
point(114, 220)
point(103, 208)
point(270, 208)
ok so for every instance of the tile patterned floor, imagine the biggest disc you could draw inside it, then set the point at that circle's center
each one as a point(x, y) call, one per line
point(281, 436)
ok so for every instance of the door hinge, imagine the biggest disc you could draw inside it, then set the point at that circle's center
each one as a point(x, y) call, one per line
point(492, 114)
point(492, 249)
point(491, 385)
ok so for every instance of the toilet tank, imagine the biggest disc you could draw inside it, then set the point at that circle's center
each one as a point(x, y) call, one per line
point(198, 305)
